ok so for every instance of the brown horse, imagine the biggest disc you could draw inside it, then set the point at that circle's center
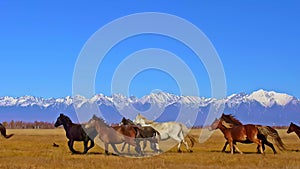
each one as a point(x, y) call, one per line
point(114, 135)
point(3, 132)
point(294, 128)
point(147, 133)
point(234, 131)
point(241, 133)
point(264, 132)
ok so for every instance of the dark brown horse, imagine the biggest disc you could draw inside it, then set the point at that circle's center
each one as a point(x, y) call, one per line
point(294, 128)
point(264, 132)
point(114, 135)
point(3, 132)
point(76, 132)
point(146, 134)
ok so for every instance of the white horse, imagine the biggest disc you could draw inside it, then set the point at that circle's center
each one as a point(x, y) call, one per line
point(174, 130)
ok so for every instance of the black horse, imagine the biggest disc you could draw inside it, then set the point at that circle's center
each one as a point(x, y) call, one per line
point(3, 132)
point(147, 134)
point(76, 132)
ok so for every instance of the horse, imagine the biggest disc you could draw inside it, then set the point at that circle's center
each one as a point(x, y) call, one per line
point(174, 130)
point(294, 128)
point(114, 135)
point(3, 132)
point(76, 132)
point(234, 131)
point(264, 132)
point(147, 133)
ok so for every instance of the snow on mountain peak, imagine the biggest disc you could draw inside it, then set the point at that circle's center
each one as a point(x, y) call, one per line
point(161, 99)
point(269, 98)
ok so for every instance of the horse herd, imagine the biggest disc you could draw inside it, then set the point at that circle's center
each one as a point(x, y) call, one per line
point(131, 133)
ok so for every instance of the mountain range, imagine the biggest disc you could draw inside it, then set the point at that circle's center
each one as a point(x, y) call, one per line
point(259, 107)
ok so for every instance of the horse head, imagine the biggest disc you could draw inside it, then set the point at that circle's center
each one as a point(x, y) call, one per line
point(62, 119)
point(291, 128)
point(92, 122)
point(214, 125)
point(123, 121)
point(139, 119)
point(59, 120)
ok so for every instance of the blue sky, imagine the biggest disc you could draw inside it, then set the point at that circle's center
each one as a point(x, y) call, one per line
point(257, 42)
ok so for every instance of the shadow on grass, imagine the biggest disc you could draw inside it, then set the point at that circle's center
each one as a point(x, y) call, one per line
point(228, 152)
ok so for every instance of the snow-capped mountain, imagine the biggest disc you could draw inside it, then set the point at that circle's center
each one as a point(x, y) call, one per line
point(260, 107)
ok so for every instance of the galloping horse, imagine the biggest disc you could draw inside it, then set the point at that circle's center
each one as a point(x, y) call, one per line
point(3, 132)
point(147, 133)
point(241, 133)
point(234, 131)
point(174, 130)
point(264, 132)
point(294, 128)
point(114, 135)
point(76, 132)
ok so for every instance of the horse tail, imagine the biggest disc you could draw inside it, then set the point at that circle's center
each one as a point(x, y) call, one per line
point(157, 133)
point(185, 131)
point(3, 132)
point(269, 131)
point(192, 139)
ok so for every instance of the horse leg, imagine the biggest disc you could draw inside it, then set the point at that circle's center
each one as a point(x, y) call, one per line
point(128, 148)
point(145, 143)
point(138, 147)
point(230, 142)
point(115, 149)
point(236, 148)
point(106, 148)
point(123, 147)
point(70, 144)
point(92, 144)
point(224, 148)
point(265, 141)
point(179, 143)
point(259, 144)
point(85, 144)
point(184, 142)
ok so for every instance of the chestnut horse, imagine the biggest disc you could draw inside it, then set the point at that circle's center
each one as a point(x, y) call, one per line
point(114, 135)
point(241, 133)
point(294, 128)
point(234, 131)
point(264, 132)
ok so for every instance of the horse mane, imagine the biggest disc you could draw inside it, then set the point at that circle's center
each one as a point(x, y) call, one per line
point(295, 126)
point(128, 121)
point(68, 120)
point(100, 120)
point(231, 119)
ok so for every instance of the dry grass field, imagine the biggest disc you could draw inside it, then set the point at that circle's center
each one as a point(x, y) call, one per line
point(33, 149)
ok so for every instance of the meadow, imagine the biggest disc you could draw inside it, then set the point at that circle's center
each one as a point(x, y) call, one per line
point(32, 149)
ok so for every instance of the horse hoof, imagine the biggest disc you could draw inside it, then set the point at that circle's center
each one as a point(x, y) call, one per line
point(190, 151)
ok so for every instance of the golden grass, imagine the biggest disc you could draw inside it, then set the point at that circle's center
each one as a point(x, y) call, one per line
point(32, 148)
